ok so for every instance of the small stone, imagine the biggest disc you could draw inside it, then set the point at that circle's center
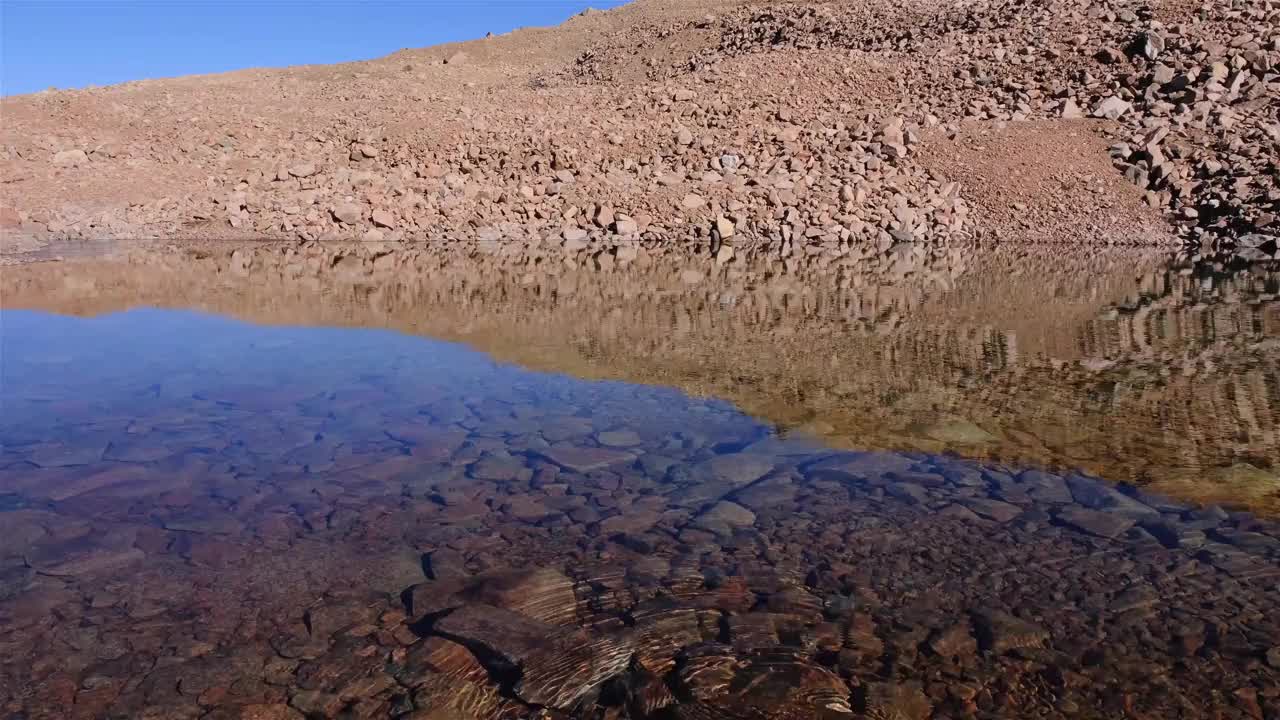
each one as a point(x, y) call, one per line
point(692, 201)
point(1096, 522)
point(724, 517)
point(1070, 110)
point(955, 641)
point(458, 58)
point(1001, 632)
point(618, 438)
point(725, 227)
point(625, 226)
point(1153, 45)
point(348, 213)
point(1112, 108)
point(684, 137)
point(584, 459)
point(382, 218)
point(269, 712)
point(70, 158)
point(303, 170)
point(993, 509)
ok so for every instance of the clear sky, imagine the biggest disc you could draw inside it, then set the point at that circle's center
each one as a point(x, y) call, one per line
point(74, 43)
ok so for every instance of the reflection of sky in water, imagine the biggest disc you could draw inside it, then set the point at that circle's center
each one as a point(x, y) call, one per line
point(201, 383)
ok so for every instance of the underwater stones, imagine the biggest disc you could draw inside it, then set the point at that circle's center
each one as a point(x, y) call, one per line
point(632, 521)
point(724, 517)
point(330, 616)
point(618, 438)
point(529, 586)
point(499, 467)
point(859, 466)
point(584, 459)
point(507, 635)
point(204, 523)
point(573, 665)
point(525, 508)
point(139, 451)
point(716, 477)
point(775, 684)
point(767, 494)
point(543, 594)
point(895, 701)
point(269, 712)
point(55, 455)
point(662, 630)
point(1097, 495)
point(1103, 524)
point(448, 681)
point(79, 559)
point(992, 509)
point(557, 666)
point(954, 641)
point(1000, 632)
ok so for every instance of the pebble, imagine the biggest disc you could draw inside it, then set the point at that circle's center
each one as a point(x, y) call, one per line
point(349, 213)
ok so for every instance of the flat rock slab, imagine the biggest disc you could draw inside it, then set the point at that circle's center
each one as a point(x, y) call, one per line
point(721, 475)
point(137, 451)
point(1096, 522)
point(1001, 632)
point(498, 631)
point(993, 509)
point(88, 563)
point(618, 438)
point(544, 594)
point(860, 466)
point(724, 517)
point(67, 455)
point(73, 486)
point(212, 524)
point(573, 665)
point(776, 684)
point(1097, 495)
point(585, 459)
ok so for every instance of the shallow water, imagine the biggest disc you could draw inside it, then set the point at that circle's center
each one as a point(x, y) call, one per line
point(208, 517)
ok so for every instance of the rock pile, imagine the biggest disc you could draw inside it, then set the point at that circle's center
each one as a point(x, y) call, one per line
point(1195, 92)
point(797, 132)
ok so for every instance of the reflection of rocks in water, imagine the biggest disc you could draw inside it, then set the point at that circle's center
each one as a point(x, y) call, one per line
point(1113, 363)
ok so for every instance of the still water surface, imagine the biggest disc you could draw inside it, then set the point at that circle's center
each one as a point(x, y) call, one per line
point(207, 517)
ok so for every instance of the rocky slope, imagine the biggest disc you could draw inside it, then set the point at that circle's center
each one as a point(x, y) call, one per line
point(809, 133)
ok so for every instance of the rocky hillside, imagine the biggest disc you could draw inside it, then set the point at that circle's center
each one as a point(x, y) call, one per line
point(810, 134)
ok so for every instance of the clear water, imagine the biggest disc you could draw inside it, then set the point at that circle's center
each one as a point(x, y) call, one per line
point(206, 517)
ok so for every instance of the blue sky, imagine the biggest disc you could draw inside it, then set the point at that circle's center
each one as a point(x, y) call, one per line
point(74, 43)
